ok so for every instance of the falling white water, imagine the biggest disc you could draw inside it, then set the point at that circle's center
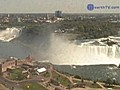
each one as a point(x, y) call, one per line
point(64, 52)
point(9, 34)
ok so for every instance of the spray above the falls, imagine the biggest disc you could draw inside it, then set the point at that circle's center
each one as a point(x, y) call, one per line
point(9, 34)
point(84, 53)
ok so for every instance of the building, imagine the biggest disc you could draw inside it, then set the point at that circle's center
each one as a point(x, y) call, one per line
point(27, 60)
point(40, 70)
point(58, 14)
point(47, 17)
point(18, 19)
point(9, 63)
point(13, 62)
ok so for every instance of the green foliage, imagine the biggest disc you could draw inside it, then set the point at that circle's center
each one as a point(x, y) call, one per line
point(87, 83)
point(77, 76)
point(91, 85)
point(46, 74)
point(109, 81)
point(89, 29)
point(63, 80)
point(32, 86)
point(16, 74)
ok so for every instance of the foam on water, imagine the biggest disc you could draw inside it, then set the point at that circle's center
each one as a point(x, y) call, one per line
point(9, 34)
point(63, 52)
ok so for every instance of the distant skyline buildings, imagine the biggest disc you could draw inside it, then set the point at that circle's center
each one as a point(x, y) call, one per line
point(49, 6)
point(58, 14)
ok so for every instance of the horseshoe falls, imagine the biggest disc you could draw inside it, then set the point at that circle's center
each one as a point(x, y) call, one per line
point(84, 53)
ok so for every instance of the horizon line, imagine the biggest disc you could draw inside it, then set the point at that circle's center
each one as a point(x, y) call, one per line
point(54, 12)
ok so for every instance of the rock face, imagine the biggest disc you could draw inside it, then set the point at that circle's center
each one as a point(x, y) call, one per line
point(119, 66)
point(109, 42)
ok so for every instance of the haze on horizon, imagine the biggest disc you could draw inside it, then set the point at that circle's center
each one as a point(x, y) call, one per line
point(49, 6)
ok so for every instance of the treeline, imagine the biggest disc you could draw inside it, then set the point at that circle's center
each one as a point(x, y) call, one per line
point(88, 29)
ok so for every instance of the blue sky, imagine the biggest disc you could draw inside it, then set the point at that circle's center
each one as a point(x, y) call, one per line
point(44, 6)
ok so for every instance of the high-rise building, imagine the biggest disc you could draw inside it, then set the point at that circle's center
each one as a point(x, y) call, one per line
point(47, 17)
point(58, 14)
point(19, 19)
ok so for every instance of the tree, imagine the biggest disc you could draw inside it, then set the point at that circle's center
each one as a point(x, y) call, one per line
point(94, 82)
point(109, 81)
point(82, 80)
point(77, 76)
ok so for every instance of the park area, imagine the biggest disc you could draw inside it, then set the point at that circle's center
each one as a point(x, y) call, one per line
point(32, 86)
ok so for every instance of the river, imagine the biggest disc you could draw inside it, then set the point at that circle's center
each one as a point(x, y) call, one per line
point(57, 49)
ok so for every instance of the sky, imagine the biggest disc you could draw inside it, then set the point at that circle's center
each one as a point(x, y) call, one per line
point(49, 6)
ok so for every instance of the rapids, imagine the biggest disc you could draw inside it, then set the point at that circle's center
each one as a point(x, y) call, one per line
point(9, 34)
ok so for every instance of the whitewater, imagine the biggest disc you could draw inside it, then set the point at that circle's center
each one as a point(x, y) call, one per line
point(9, 34)
point(84, 53)
point(58, 50)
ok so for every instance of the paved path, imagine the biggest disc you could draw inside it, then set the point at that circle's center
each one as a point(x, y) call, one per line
point(69, 78)
point(72, 78)
point(16, 84)
point(101, 86)
point(2, 87)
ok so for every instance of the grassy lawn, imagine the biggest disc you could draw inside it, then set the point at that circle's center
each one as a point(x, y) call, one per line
point(46, 75)
point(32, 86)
point(92, 85)
point(16, 74)
point(2, 87)
point(113, 87)
point(88, 84)
point(76, 81)
point(63, 80)
point(116, 88)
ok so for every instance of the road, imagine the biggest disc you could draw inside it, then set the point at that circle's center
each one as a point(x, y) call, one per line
point(9, 84)
point(72, 78)
point(16, 84)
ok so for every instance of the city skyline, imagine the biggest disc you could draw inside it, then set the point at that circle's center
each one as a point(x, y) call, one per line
point(49, 6)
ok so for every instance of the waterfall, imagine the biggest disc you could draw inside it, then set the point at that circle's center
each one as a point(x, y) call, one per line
point(65, 52)
point(9, 34)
